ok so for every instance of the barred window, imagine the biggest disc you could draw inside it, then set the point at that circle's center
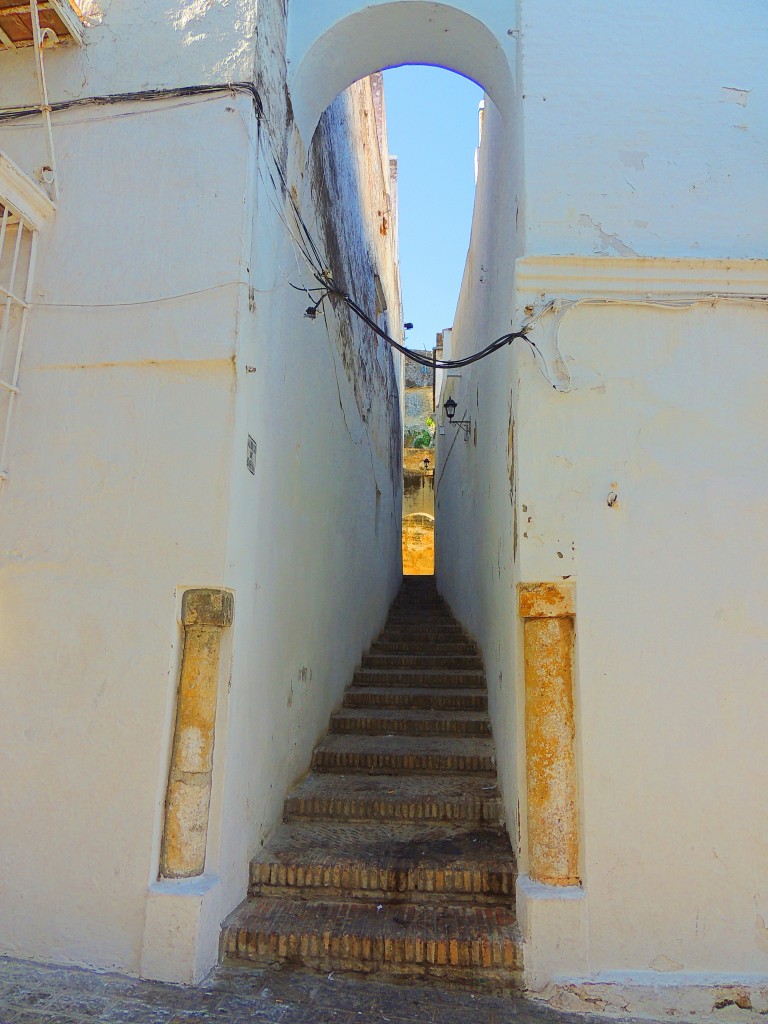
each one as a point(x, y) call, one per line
point(23, 208)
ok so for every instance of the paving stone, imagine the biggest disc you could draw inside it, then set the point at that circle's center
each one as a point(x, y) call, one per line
point(276, 997)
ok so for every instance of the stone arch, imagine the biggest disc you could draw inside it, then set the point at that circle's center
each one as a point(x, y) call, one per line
point(332, 45)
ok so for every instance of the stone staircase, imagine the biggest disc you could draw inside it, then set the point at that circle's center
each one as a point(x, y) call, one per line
point(391, 858)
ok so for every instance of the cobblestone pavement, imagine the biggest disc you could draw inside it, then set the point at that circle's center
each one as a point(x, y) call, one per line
point(39, 994)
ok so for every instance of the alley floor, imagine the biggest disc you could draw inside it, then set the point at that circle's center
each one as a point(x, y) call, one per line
point(40, 994)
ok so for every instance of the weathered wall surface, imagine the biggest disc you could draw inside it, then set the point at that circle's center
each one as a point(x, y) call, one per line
point(643, 140)
point(163, 334)
point(119, 471)
point(631, 491)
point(476, 552)
point(648, 139)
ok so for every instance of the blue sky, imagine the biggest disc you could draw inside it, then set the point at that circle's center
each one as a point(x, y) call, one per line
point(432, 126)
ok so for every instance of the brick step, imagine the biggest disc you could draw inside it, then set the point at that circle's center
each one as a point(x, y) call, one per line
point(454, 662)
point(375, 721)
point(412, 629)
point(441, 678)
point(421, 620)
point(478, 946)
point(426, 798)
point(393, 862)
point(414, 697)
point(394, 754)
point(449, 645)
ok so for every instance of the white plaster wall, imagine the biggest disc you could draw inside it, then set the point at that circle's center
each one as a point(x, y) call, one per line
point(475, 478)
point(314, 565)
point(142, 46)
point(671, 611)
point(665, 408)
point(645, 127)
point(164, 333)
point(119, 469)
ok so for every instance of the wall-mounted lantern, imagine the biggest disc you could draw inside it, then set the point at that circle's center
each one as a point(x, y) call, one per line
point(450, 412)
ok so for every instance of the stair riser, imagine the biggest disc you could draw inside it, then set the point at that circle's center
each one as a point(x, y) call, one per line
point(385, 880)
point(400, 678)
point(478, 963)
point(421, 621)
point(413, 632)
point(453, 662)
point(395, 763)
point(406, 648)
point(418, 702)
point(414, 603)
point(486, 812)
point(364, 726)
point(491, 889)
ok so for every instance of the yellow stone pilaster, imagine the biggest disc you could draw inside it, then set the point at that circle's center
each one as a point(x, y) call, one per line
point(204, 614)
point(553, 827)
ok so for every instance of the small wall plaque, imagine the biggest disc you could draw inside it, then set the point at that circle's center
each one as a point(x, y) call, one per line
point(251, 460)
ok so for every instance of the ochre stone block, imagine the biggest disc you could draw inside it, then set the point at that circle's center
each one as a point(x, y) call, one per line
point(545, 600)
point(553, 845)
point(553, 839)
point(205, 613)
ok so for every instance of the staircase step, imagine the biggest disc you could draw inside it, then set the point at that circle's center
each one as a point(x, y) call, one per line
point(399, 677)
point(421, 620)
point(417, 602)
point(420, 662)
point(411, 629)
point(386, 861)
point(464, 944)
point(416, 697)
point(393, 754)
point(448, 798)
point(382, 721)
point(441, 646)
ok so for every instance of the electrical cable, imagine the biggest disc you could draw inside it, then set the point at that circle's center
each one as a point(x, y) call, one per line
point(419, 357)
point(306, 244)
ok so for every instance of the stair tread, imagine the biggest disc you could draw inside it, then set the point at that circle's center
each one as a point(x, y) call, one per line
point(447, 787)
point(467, 745)
point(413, 691)
point(388, 844)
point(411, 714)
point(429, 673)
point(430, 921)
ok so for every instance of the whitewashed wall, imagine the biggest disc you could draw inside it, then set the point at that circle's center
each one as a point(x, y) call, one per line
point(642, 135)
point(164, 333)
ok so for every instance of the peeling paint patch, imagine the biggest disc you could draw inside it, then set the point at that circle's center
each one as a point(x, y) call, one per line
point(634, 158)
point(730, 95)
point(195, 11)
point(605, 241)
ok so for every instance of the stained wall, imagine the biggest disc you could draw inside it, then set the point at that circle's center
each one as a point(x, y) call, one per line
point(163, 338)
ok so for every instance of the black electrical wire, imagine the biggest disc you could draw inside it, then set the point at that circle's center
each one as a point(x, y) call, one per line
point(307, 245)
point(420, 357)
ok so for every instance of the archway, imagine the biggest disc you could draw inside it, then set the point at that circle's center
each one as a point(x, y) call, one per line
point(330, 46)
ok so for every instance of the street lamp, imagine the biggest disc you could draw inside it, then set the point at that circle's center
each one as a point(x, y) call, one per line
point(450, 412)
